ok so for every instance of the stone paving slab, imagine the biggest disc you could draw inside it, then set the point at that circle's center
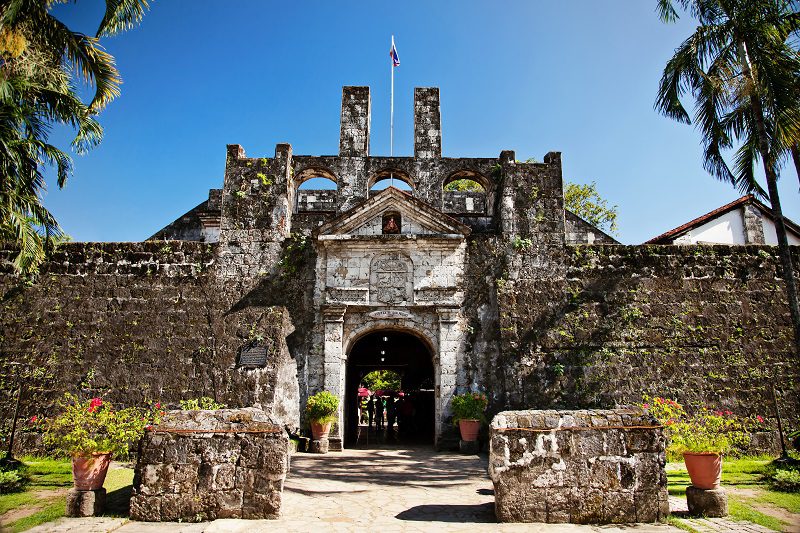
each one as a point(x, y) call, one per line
point(80, 525)
point(707, 525)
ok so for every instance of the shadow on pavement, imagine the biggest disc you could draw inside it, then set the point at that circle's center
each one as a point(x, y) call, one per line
point(483, 513)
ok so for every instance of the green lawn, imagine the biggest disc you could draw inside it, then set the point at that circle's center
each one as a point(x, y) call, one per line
point(49, 480)
point(747, 473)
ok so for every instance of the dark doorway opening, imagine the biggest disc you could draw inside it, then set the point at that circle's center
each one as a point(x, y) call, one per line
point(409, 357)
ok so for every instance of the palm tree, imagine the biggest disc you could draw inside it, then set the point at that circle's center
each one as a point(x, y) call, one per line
point(41, 63)
point(743, 72)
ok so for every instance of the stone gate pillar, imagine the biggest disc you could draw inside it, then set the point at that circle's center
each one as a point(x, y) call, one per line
point(335, 367)
point(449, 339)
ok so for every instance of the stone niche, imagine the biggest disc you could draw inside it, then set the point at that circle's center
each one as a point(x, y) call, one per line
point(203, 465)
point(583, 467)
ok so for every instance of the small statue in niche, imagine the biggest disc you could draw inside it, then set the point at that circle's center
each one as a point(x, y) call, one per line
point(391, 224)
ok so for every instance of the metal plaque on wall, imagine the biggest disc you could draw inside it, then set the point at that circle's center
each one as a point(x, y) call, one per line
point(253, 357)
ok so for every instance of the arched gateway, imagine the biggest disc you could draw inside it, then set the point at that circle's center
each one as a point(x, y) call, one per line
point(406, 285)
point(410, 357)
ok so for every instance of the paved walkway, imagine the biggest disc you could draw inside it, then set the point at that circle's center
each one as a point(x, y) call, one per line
point(388, 490)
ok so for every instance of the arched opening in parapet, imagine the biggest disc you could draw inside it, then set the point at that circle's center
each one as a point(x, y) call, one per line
point(466, 192)
point(390, 178)
point(315, 191)
point(403, 415)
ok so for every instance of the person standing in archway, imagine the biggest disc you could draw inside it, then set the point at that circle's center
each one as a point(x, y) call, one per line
point(391, 414)
point(378, 412)
point(370, 411)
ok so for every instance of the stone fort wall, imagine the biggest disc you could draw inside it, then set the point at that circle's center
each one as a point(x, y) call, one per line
point(707, 325)
point(138, 322)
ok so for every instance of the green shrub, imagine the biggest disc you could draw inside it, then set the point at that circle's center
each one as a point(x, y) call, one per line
point(203, 403)
point(11, 481)
point(469, 406)
point(786, 480)
point(322, 407)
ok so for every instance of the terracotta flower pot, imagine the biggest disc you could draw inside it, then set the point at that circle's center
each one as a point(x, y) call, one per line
point(469, 429)
point(89, 472)
point(320, 431)
point(705, 469)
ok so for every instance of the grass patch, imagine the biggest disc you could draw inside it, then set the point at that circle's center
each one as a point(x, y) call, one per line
point(47, 474)
point(680, 524)
point(740, 510)
point(743, 473)
point(53, 511)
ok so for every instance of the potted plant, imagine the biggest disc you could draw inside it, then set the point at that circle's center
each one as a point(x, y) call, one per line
point(91, 432)
point(701, 438)
point(321, 410)
point(468, 411)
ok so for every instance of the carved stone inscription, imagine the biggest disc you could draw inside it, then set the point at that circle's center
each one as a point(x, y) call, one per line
point(391, 279)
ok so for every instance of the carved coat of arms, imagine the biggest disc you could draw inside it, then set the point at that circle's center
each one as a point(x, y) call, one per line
point(390, 279)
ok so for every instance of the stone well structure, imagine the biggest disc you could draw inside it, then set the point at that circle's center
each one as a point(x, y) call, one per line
point(271, 291)
point(204, 465)
point(584, 467)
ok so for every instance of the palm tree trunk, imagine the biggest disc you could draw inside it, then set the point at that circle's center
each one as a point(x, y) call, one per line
point(784, 251)
point(796, 158)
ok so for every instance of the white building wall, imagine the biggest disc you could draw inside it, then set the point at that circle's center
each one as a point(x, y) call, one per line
point(726, 229)
point(771, 236)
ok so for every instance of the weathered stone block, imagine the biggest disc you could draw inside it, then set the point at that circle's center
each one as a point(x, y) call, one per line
point(712, 503)
point(469, 447)
point(582, 475)
point(238, 459)
point(320, 446)
point(85, 502)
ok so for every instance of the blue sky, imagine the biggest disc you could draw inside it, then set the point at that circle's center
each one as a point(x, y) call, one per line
point(578, 77)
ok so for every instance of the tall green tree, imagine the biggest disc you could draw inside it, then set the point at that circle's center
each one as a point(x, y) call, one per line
point(586, 202)
point(42, 65)
point(743, 72)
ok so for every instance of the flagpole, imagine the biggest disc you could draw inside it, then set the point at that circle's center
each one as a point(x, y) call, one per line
point(391, 117)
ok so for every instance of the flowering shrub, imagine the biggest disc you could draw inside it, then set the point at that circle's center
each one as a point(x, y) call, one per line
point(704, 431)
point(321, 407)
point(469, 406)
point(94, 426)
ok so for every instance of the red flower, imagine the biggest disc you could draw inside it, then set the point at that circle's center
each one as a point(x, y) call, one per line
point(760, 418)
point(728, 413)
point(94, 404)
point(158, 405)
point(646, 405)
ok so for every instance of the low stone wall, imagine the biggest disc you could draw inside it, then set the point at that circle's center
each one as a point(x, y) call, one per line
point(585, 467)
point(203, 465)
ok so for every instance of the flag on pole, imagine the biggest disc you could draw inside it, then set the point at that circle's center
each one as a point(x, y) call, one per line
point(393, 55)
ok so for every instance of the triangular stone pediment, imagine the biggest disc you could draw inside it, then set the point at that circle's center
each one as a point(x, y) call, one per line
point(416, 217)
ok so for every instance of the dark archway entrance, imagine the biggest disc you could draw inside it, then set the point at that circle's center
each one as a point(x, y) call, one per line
point(409, 357)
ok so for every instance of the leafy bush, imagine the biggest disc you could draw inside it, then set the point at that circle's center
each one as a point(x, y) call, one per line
point(11, 481)
point(322, 407)
point(203, 403)
point(469, 406)
point(786, 480)
point(93, 426)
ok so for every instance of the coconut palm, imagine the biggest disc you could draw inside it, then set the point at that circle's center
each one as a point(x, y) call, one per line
point(742, 68)
point(42, 62)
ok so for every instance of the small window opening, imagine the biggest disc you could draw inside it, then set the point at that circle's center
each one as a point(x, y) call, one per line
point(318, 183)
point(391, 223)
point(397, 183)
point(464, 185)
